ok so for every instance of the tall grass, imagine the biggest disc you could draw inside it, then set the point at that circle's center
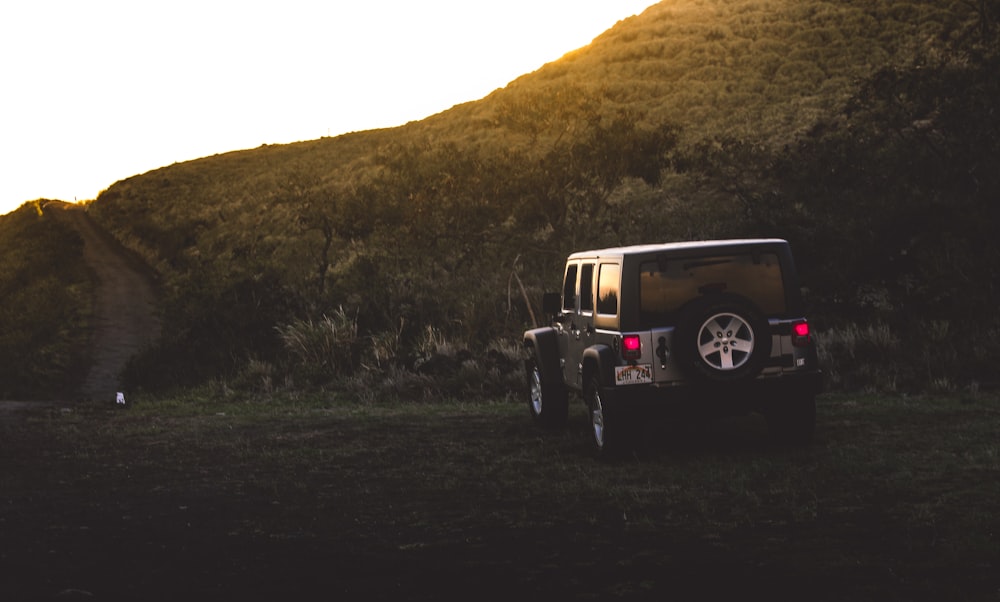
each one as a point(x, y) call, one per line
point(929, 355)
point(323, 348)
point(331, 352)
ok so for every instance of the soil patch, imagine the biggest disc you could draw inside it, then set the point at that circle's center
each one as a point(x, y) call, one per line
point(124, 318)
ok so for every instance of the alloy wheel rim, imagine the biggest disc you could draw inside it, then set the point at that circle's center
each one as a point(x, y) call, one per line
point(725, 342)
point(536, 391)
point(597, 421)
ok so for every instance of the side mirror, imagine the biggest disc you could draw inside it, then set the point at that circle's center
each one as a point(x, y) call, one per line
point(551, 303)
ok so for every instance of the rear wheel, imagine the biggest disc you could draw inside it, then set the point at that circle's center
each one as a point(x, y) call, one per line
point(548, 403)
point(608, 425)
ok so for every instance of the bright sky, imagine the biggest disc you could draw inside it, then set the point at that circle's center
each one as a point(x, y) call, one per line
point(95, 91)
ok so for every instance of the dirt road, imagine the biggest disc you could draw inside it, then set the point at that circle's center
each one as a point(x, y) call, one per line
point(125, 319)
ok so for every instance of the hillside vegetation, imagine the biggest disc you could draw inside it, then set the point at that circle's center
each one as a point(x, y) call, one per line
point(45, 296)
point(865, 133)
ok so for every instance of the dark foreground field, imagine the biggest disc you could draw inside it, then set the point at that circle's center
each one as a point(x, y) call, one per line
point(339, 500)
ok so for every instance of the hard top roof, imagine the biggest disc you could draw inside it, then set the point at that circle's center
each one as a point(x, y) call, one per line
point(693, 245)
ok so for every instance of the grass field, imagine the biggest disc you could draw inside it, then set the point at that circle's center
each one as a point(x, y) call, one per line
point(333, 499)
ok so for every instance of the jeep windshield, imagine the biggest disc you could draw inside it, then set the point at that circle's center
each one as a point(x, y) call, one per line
point(666, 283)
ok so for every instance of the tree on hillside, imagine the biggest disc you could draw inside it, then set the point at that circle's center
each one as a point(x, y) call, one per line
point(988, 14)
point(576, 153)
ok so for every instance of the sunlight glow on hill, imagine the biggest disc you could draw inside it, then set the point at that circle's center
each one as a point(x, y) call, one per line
point(109, 89)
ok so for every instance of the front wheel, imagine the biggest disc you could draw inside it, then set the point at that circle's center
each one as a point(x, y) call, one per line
point(548, 403)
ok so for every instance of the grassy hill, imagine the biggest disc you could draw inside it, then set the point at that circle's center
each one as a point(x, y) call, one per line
point(45, 296)
point(863, 132)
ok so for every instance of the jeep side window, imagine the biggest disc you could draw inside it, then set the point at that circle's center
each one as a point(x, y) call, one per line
point(569, 288)
point(587, 287)
point(607, 288)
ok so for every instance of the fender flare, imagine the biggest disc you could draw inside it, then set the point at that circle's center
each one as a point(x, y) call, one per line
point(599, 359)
point(544, 345)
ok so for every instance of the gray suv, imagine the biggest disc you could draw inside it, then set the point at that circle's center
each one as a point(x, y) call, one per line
point(710, 327)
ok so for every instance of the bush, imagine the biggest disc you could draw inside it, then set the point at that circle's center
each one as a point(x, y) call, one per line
point(886, 357)
point(322, 349)
point(861, 357)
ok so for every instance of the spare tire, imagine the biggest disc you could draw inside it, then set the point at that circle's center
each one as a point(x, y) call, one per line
point(721, 339)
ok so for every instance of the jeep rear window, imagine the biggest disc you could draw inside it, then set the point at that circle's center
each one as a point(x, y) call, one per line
point(666, 284)
point(607, 289)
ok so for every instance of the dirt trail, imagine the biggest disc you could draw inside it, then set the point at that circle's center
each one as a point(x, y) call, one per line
point(125, 319)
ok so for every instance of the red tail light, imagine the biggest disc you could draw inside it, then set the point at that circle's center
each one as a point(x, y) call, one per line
point(801, 334)
point(631, 347)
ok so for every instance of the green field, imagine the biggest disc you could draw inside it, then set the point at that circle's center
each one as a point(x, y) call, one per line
point(333, 498)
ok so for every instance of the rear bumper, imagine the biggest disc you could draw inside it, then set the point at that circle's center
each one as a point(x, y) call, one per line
point(738, 397)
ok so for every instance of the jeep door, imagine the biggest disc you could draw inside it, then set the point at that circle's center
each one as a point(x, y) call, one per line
point(580, 320)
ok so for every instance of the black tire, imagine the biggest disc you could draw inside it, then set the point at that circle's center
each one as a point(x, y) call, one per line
point(609, 425)
point(548, 402)
point(722, 339)
point(792, 420)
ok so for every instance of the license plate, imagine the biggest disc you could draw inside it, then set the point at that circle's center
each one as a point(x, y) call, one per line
point(633, 375)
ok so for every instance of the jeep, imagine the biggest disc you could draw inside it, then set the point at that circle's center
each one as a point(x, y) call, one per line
point(709, 328)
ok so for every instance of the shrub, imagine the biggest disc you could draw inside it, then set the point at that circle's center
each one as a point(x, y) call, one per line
point(920, 355)
point(325, 348)
point(861, 356)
